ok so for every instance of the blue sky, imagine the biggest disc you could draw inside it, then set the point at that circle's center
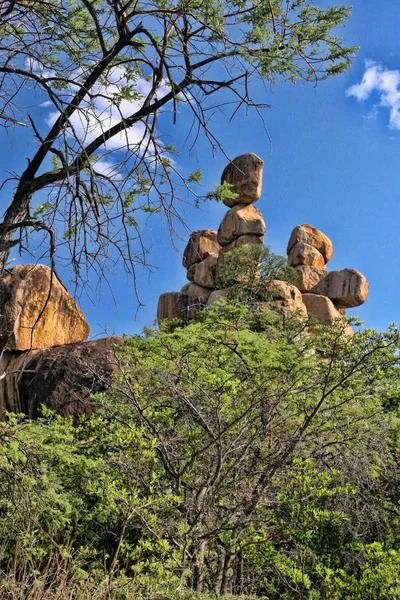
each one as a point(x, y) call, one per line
point(331, 160)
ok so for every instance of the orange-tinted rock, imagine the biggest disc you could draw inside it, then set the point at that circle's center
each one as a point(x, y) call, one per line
point(346, 288)
point(308, 277)
point(307, 234)
point(63, 379)
point(203, 273)
point(168, 306)
point(243, 240)
point(244, 174)
point(202, 243)
point(240, 220)
point(37, 311)
point(304, 254)
point(324, 311)
point(284, 297)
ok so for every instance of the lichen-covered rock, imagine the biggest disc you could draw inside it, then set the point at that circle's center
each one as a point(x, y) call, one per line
point(324, 311)
point(63, 379)
point(304, 254)
point(307, 234)
point(168, 306)
point(203, 273)
point(244, 173)
point(36, 310)
point(346, 288)
point(308, 277)
point(242, 219)
point(202, 243)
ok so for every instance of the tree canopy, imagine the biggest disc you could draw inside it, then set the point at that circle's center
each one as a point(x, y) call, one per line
point(110, 71)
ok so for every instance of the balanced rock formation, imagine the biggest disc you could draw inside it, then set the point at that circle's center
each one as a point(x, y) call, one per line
point(63, 379)
point(202, 244)
point(324, 311)
point(244, 174)
point(36, 310)
point(307, 234)
point(346, 288)
point(324, 294)
point(242, 219)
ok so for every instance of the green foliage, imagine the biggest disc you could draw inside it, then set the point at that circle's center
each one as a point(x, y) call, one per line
point(223, 462)
point(248, 271)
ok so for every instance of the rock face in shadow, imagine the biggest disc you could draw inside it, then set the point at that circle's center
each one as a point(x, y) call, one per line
point(36, 310)
point(64, 379)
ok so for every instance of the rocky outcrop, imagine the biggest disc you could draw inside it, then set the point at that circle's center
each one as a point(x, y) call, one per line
point(322, 293)
point(244, 174)
point(346, 288)
point(309, 250)
point(242, 219)
point(307, 234)
point(304, 254)
point(168, 306)
point(203, 273)
point(36, 310)
point(63, 379)
point(324, 311)
point(202, 243)
point(308, 277)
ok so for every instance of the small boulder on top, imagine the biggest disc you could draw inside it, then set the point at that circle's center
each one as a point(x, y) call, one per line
point(307, 234)
point(244, 174)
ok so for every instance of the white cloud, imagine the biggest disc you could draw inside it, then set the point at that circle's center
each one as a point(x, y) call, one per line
point(98, 113)
point(383, 82)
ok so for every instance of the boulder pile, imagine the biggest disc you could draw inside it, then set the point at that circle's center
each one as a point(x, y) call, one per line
point(44, 359)
point(322, 293)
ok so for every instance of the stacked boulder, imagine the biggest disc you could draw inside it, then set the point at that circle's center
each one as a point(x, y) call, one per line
point(243, 224)
point(324, 294)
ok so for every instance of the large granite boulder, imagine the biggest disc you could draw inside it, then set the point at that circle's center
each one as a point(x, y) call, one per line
point(325, 311)
point(346, 288)
point(63, 379)
point(36, 310)
point(168, 306)
point(308, 277)
point(307, 234)
point(202, 243)
point(242, 219)
point(244, 174)
point(305, 254)
point(240, 242)
point(203, 273)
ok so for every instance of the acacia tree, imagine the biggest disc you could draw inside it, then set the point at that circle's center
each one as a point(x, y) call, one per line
point(109, 70)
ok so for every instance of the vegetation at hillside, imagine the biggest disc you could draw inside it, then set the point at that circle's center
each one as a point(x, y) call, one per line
point(240, 456)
